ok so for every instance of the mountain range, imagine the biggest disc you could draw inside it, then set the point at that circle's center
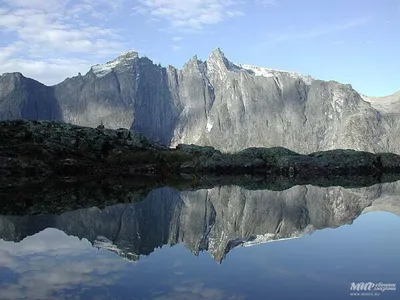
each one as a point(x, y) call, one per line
point(214, 220)
point(216, 102)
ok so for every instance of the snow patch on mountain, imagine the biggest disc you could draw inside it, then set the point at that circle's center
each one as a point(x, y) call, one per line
point(125, 59)
point(210, 125)
point(104, 243)
point(266, 72)
point(256, 71)
point(266, 238)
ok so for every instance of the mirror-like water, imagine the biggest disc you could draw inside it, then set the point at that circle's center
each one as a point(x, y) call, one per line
point(222, 243)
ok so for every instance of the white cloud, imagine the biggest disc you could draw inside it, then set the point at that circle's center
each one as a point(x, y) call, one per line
point(46, 71)
point(234, 13)
point(267, 2)
point(52, 265)
point(46, 6)
point(100, 9)
point(45, 37)
point(189, 14)
point(7, 51)
point(51, 262)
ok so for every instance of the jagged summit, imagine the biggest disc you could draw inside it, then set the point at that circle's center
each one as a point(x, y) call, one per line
point(129, 54)
point(194, 60)
point(218, 61)
point(217, 52)
point(218, 64)
point(216, 102)
point(125, 59)
point(217, 56)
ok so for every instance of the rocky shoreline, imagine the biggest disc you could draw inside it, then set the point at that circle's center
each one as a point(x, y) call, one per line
point(42, 163)
point(35, 151)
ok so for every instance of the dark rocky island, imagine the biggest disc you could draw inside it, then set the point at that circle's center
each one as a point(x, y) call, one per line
point(42, 162)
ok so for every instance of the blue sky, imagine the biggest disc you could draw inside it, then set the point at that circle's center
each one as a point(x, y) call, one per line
point(351, 41)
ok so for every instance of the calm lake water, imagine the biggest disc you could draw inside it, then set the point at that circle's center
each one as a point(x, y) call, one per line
point(223, 243)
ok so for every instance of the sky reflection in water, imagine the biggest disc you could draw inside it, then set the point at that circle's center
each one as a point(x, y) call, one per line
point(51, 264)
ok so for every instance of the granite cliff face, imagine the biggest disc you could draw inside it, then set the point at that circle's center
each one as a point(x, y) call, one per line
point(214, 220)
point(24, 98)
point(208, 103)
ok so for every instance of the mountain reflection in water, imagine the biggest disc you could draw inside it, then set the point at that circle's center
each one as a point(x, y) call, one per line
point(74, 253)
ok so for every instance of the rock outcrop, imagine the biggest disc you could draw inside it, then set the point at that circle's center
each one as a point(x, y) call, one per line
point(210, 103)
point(36, 151)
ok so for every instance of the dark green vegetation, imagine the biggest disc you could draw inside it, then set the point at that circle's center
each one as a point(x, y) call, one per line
point(43, 162)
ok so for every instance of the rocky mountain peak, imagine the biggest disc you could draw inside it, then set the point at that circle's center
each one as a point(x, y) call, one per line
point(218, 63)
point(218, 52)
point(13, 75)
point(128, 55)
point(193, 61)
point(123, 60)
point(230, 106)
point(194, 65)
